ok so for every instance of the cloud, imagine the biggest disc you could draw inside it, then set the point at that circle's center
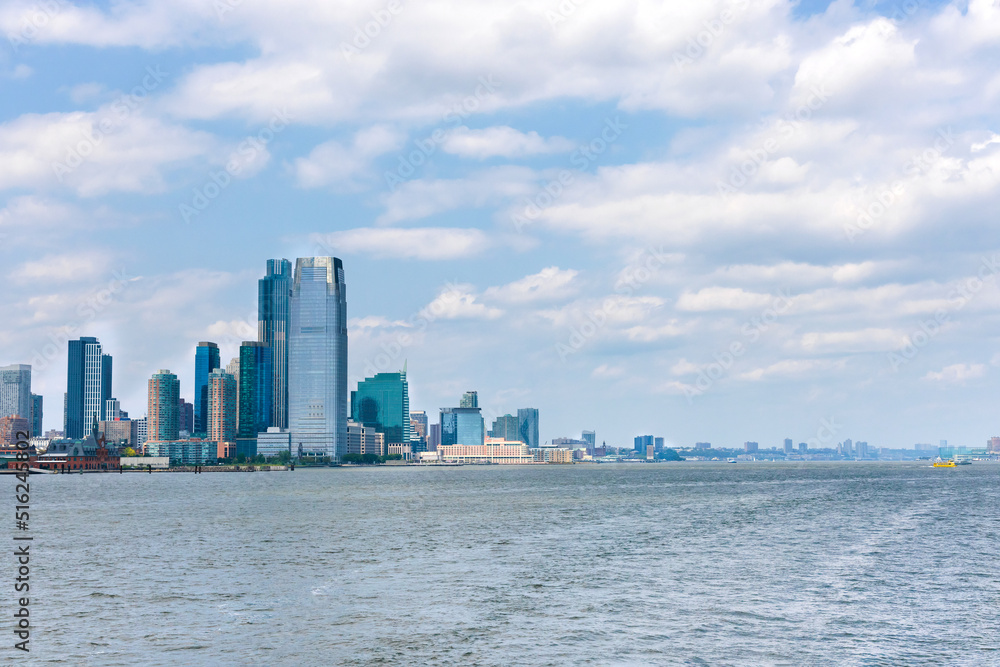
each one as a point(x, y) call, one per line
point(457, 302)
point(501, 141)
point(79, 265)
point(548, 284)
point(957, 373)
point(426, 243)
point(723, 298)
point(332, 163)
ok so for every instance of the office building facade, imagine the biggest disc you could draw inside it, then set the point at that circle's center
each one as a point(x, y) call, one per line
point(161, 415)
point(185, 417)
point(15, 391)
point(462, 426)
point(643, 441)
point(222, 396)
point(470, 399)
point(273, 296)
point(506, 427)
point(206, 360)
point(88, 386)
point(527, 420)
point(36, 415)
point(317, 358)
point(255, 392)
point(382, 402)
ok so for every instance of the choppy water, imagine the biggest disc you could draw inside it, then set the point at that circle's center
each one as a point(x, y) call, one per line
point(697, 564)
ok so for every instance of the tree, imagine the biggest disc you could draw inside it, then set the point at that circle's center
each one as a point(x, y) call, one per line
point(128, 451)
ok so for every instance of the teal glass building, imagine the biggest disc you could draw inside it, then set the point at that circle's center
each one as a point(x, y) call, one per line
point(256, 397)
point(462, 426)
point(206, 360)
point(382, 402)
point(273, 294)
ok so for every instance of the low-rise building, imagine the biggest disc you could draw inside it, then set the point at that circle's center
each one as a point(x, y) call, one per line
point(273, 442)
point(486, 453)
point(194, 451)
point(552, 455)
point(145, 462)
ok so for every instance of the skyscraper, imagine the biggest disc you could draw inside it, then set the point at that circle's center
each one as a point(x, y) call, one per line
point(506, 427)
point(88, 386)
point(206, 360)
point(418, 425)
point(470, 399)
point(15, 391)
point(273, 294)
point(161, 419)
point(185, 417)
point(221, 413)
point(317, 358)
point(255, 392)
point(36, 415)
point(788, 446)
point(527, 420)
point(590, 437)
point(433, 436)
point(383, 403)
point(643, 441)
point(462, 426)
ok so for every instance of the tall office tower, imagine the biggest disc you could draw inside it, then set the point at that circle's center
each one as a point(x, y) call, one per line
point(470, 399)
point(506, 427)
point(222, 397)
point(527, 426)
point(206, 360)
point(848, 447)
point(317, 358)
point(462, 426)
point(112, 409)
point(658, 444)
point(418, 426)
point(256, 395)
point(185, 416)
point(750, 446)
point(382, 402)
point(36, 415)
point(788, 445)
point(803, 448)
point(233, 368)
point(161, 419)
point(590, 437)
point(862, 449)
point(643, 441)
point(273, 293)
point(88, 386)
point(140, 432)
point(15, 390)
point(433, 437)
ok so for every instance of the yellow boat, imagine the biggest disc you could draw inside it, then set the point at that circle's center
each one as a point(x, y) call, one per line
point(944, 464)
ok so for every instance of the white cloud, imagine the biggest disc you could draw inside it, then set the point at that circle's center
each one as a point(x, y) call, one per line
point(458, 302)
point(501, 141)
point(549, 283)
point(332, 163)
point(426, 243)
point(957, 373)
point(722, 298)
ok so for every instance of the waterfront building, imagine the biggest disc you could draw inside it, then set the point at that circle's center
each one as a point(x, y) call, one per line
point(527, 420)
point(470, 399)
point(803, 448)
point(861, 449)
point(462, 426)
point(993, 444)
point(273, 294)
point(117, 432)
point(190, 452)
point(10, 426)
point(506, 427)
point(433, 437)
point(206, 360)
point(363, 439)
point(36, 415)
point(590, 437)
point(164, 388)
point(750, 447)
point(317, 358)
point(273, 441)
point(382, 402)
point(788, 446)
point(255, 391)
point(221, 406)
point(140, 433)
point(553, 455)
point(643, 441)
point(15, 390)
point(185, 417)
point(504, 452)
point(88, 385)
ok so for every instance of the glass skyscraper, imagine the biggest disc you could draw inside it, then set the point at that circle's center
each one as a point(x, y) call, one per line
point(206, 360)
point(88, 386)
point(317, 358)
point(506, 427)
point(383, 403)
point(462, 426)
point(527, 419)
point(15, 391)
point(255, 391)
point(273, 294)
point(164, 396)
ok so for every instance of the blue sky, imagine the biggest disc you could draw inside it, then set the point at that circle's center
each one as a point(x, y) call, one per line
point(717, 221)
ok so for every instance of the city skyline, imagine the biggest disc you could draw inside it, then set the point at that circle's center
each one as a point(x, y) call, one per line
point(751, 177)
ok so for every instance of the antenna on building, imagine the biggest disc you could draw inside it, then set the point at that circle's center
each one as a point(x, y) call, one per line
point(405, 361)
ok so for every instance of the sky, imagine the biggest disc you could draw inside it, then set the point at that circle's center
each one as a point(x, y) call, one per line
point(713, 221)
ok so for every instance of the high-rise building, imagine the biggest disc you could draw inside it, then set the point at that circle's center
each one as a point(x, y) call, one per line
point(185, 417)
point(848, 447)
point(317, 358)
point(206, 360)
point(88, 386)
point(527, 420)
point(470, 399)
point(141, 432)
point(506, 427)
point(233, 368)
point(36, 415)
point(222, 396)
point(788, 446)
point(803, 448)
point(382, 402)
point(750, 446)
point(15, 390)
point(255, 391)
point(993, 444)
point(273, 294)
point(433, 437)
point(658, 444)
point(462, 426)
point(418, 426)
point(10, 427)
point(112, 409)
point(161, 419)
point(861, 449)
point(643, 441)
point(590, 437)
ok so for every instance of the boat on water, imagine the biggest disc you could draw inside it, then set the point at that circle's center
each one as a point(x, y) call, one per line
point(944, 464)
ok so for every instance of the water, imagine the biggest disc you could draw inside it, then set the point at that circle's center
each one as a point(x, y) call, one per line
point(687, 564)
